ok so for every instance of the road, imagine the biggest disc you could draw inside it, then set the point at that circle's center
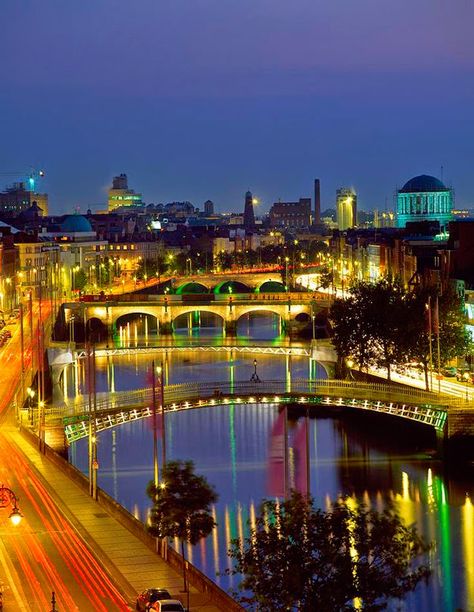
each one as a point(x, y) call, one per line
point(45, 552)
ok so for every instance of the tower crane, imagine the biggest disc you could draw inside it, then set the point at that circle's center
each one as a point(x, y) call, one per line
point(31, 176)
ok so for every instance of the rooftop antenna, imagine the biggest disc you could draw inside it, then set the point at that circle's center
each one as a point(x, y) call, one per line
point(442, 172)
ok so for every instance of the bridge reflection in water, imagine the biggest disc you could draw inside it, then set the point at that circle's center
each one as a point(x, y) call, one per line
point(229, 445)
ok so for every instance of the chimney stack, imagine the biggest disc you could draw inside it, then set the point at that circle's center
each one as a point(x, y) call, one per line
point(317, 202)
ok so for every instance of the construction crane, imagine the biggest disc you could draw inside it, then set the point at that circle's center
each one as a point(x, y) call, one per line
point(31, 177)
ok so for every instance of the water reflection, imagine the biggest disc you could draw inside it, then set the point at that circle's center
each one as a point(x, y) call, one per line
point(144, 330)
point(229, 445)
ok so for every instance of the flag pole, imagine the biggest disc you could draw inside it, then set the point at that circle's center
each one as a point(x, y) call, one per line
point(285, 458)
point(430, 342)
point(308, 476)
point(155, 436)
point(438, 343)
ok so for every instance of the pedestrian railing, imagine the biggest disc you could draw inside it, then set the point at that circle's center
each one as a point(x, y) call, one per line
point(110, 409)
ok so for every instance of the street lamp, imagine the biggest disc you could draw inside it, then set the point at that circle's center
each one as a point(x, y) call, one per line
point(466, 377)
point(8, 497)
point(31, 394)
point(255, 378)
point(158, 372)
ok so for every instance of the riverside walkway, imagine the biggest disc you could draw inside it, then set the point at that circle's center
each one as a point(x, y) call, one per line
point(129, 560)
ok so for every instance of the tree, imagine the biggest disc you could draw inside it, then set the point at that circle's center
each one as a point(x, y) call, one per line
point(301, 558)
point(351, 337)
point(223, 261)
point(454, 339)
point(369, 324)
point(382, 306)
point(80, 279)
point(181, 505)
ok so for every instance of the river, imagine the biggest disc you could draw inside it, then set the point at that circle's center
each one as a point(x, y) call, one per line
point(372, 460)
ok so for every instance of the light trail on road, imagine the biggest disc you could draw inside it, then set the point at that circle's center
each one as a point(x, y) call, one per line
point(47, 551)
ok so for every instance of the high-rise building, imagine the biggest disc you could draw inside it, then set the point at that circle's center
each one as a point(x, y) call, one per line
point(120, 195)
point(249, 215)
point(346, 208)
point(424, 198)
point(19, 197)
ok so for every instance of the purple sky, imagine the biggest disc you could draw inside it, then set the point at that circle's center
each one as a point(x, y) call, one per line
point(198, 99)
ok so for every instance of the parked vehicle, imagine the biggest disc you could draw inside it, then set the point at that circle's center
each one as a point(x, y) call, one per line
point(168, 605)
point(7, 333)
point(147, 598)
point(465, 375)
point(449, 372)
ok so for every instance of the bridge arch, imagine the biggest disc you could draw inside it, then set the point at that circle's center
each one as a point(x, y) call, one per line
point(193, 317)
point(192, 287)
point(95, 329)
point(232, 286)
point(148, 321)
point(420, 407)
point(271, 286)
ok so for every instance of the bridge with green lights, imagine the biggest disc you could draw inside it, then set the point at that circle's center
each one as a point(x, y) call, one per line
point(112, 409)
point(163, 310)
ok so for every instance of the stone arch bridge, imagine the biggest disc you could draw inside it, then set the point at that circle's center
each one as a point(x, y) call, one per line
point(290, 307)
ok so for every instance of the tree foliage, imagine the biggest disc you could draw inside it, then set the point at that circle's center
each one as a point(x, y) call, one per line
point(368, 325)
point(381, 324)
point(301, 558)
point(182, 506)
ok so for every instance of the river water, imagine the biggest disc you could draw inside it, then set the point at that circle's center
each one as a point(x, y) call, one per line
point(351, 455)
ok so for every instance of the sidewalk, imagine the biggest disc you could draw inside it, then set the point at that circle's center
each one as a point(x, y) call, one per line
point(131, 564)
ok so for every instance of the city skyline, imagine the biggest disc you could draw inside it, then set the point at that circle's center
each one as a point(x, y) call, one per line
point(206, 101)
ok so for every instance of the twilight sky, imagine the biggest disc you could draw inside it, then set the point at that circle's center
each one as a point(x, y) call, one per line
point(198, 99)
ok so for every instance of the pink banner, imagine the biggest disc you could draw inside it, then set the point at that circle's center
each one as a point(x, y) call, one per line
point(277, 459)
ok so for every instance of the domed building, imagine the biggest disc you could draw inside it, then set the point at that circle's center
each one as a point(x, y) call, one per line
point(76, 224)
point(424, 198)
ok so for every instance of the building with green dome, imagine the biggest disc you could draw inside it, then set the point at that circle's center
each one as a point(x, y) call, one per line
point(424, 198)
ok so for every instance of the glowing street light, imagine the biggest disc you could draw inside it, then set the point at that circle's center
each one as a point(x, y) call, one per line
point(8, 497)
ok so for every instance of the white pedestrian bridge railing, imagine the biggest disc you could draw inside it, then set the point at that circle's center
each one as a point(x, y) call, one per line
point(111, 409)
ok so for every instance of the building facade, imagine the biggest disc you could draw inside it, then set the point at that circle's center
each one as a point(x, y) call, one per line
point(291, 214)
point(346, 208)
point(18, 198)
point(121, 196)
point(424, 198)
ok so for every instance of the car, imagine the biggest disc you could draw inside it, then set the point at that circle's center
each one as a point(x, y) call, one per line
point(6, 333)
point(465, 375)
point(449, 371)
point(168, 605)
point(150, 596)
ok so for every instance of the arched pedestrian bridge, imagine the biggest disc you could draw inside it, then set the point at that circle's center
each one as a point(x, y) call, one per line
point(112, 409)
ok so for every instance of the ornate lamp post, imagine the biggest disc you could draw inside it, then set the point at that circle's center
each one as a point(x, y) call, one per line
point(255, 378)
point(8, 498)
